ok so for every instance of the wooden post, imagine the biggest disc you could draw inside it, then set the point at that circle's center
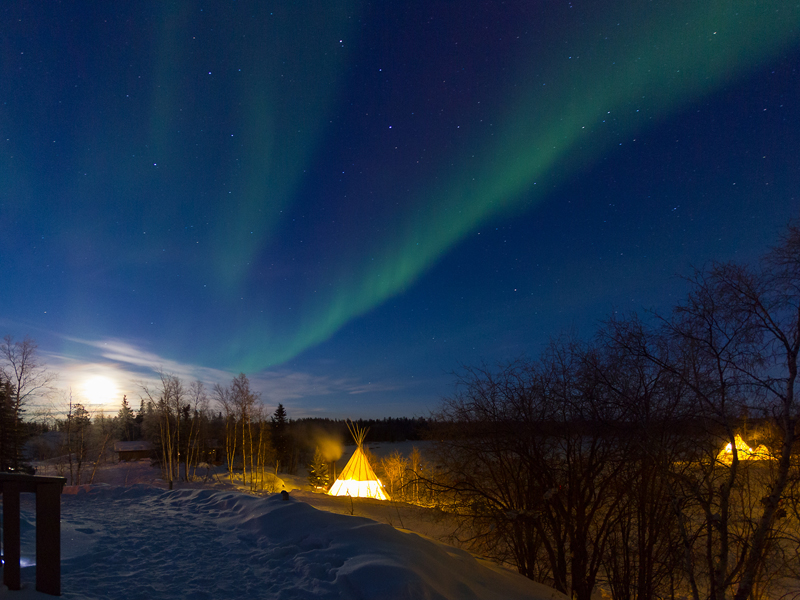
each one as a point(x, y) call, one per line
point(48, 538)
point(48, 529)
point(11, 535)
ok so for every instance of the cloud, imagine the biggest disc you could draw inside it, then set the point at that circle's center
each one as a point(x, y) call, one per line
point(149, 363)
point(132, 367)
point(282, 385)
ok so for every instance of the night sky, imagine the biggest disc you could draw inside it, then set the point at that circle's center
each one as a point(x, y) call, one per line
point(348, 200)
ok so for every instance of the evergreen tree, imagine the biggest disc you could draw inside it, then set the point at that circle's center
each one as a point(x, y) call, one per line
point(78, 430)
point(279, 436)
point(6, 425)
point(20, 365)
point(318, 475)
point(125, 421)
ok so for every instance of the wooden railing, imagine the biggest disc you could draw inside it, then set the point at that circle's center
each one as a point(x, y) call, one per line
point(48, 529)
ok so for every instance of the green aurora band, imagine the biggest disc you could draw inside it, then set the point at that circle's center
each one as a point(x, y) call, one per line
point(275, 111)
point(656, 65)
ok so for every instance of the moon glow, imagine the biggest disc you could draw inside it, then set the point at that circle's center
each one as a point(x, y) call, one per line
point(100, 390)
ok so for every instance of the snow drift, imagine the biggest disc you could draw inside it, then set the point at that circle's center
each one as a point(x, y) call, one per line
point(141, 542)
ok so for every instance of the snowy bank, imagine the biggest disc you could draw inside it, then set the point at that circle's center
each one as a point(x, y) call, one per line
point(142, 542)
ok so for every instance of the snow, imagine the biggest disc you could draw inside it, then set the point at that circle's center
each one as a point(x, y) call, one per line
point(143, 542)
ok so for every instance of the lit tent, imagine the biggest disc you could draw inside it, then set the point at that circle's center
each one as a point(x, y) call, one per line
point(743, 451)
point(357, 479)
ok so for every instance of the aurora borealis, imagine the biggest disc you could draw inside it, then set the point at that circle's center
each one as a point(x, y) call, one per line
point(363, 196)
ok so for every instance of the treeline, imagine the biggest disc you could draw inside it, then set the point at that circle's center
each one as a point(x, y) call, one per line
point(191, 428)
point(390, 429)
point(188, 428)
point(601, 462)
point(255, 445)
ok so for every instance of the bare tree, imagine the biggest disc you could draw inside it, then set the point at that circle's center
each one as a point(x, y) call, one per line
point(167, 400)
point(733, 344)
point(602, 461)
point(265, 452)
point(527, 464)
point(245, 433)
point(643, 558)
point(224, 398)
point(244, 400)
point(103, 430)
point(28, 377)
point(194, 415)
point(415, 473)
point(394, 467)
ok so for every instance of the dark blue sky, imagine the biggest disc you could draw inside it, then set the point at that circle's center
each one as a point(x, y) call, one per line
point(347, 203)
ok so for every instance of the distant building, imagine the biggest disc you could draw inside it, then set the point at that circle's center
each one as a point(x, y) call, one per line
point(133, 450)
point(213, 452)
point(208, 451)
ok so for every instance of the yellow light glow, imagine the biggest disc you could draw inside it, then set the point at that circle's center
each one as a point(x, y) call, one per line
point(358, 489)
point(100, 390)
point(743, 452)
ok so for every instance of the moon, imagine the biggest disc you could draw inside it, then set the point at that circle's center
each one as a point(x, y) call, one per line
point(100, 390)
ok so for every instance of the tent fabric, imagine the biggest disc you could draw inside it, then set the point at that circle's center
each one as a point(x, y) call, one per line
point(743, 451)
point(357, 479)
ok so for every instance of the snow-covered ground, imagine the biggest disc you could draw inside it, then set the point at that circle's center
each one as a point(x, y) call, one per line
point(141, 541)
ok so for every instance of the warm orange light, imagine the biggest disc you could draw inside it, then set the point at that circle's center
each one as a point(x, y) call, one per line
point(358, 489)
point(357, 479)
point(743, 451)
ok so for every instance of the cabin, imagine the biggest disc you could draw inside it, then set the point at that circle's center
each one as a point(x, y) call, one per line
point(133, 450)
point(208, 451)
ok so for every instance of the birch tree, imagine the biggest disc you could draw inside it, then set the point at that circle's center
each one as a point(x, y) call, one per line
point(224, 398)
point(167, 400)
point(245, 436)
point(194, 418)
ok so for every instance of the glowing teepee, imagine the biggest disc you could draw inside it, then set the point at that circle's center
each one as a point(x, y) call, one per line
point(357, 479)
point(743, 451)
